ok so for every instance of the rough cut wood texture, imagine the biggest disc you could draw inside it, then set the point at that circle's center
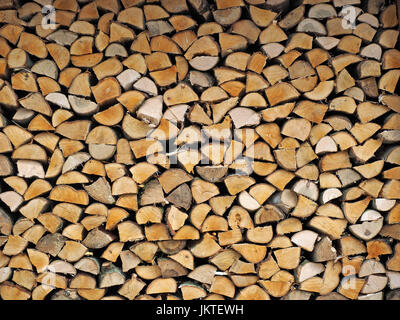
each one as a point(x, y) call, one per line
point(187, 149)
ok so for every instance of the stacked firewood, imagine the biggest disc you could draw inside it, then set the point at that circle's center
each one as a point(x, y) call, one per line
point(198, 149)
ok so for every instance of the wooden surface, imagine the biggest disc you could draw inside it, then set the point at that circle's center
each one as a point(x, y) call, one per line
point(193, 149)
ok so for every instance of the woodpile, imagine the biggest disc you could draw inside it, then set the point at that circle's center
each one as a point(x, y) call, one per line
point(193, 149)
